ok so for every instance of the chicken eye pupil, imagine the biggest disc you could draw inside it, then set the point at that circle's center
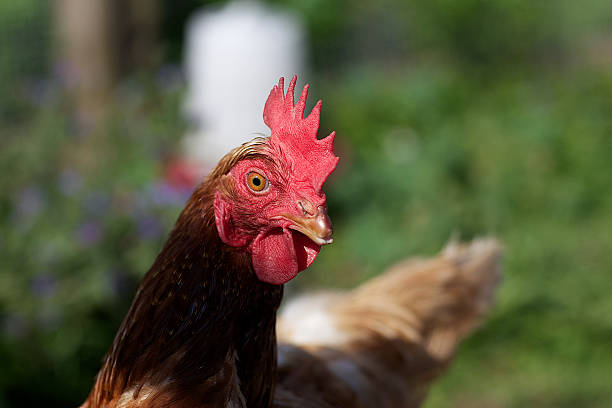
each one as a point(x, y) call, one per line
point(256, 181)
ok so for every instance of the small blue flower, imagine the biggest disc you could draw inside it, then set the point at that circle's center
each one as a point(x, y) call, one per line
point(69, 182)
point(41, 91)
point(149, 227)
point(44, 285)
point(97, 203)
point(88, 233)
point(164, 194)
point(30, 202)
point(14, 325)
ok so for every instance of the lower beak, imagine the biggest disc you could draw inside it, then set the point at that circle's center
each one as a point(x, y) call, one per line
point(317, 227)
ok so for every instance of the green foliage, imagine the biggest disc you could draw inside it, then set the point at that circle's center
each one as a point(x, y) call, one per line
point(428, 153)
point(470, 117)
point(76, 241)
point(26, 20)
point(487, 36)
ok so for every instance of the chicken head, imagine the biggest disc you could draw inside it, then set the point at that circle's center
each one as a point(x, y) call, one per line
point(269, 201)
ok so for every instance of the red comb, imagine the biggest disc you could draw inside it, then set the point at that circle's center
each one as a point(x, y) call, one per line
point(297, 136)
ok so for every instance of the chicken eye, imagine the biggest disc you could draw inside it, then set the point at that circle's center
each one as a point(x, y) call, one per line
point(256, 181)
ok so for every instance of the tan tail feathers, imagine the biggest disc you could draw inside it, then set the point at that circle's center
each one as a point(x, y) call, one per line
point(395, 333)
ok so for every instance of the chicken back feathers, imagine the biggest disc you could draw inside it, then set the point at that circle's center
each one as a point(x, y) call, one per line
point(382, 344)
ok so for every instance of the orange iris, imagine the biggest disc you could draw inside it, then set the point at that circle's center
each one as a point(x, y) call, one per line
point(256, 181)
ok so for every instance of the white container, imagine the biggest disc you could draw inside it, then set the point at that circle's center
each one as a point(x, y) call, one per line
point(234, 56)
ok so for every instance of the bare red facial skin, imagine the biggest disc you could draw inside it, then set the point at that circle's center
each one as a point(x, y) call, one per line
point(257, 221)
point(295, 167)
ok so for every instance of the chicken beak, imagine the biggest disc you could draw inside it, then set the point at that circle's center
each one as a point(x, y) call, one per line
point(317, 227)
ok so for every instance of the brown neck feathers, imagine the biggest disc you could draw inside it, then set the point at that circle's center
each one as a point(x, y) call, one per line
point(200, 324)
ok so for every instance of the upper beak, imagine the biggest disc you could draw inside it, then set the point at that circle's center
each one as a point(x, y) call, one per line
point(317, 227)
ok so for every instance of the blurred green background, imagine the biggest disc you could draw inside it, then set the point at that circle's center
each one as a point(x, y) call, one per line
point(475, 117)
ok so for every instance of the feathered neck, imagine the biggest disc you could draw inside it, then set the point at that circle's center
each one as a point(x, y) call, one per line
point(200, 324)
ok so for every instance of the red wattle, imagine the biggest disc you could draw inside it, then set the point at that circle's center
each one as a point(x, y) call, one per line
point(279, 255)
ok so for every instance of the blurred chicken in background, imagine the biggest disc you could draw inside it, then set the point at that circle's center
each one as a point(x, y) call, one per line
point(383, 344)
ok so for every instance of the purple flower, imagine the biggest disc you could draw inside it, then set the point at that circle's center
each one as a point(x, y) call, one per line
point(40, 91)
point(30, 202)
point(69, 182)
point(66, 73)
point(164, 194)
point(97, 203)
point(14, 325)
point(88, 233)
point(141, 203)
point(149, 227)
point(44, 285)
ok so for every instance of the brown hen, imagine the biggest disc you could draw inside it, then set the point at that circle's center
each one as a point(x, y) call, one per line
point(201, 331)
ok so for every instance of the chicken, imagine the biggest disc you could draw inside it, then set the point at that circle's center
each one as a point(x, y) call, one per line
point(201, 329)
point(382, 344)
